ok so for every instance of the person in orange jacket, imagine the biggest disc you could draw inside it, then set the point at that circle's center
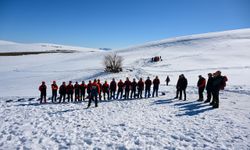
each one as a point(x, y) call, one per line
point(105, 89)
point(201, 84)
point(54, 88)
point(70, 91)
point(95, 90)
point(43, 89)
point(83, 87)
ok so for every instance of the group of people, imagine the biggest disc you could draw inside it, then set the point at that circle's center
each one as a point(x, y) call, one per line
point(214, 84)
point(97, 91)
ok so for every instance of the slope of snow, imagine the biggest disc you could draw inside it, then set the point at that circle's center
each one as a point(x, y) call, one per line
point(154, 123)
point(7, 46)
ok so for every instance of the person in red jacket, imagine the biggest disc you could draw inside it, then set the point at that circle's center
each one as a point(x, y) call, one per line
point(127, 85)
point(140, 87)
point(105, 89)
point(70, 91)
point(83, 87)
point(43, 89)
point(120, 89)
point(95, 90)
point(156, 83)
point(100, 85)
point(89, 88)
point(112, 88)
point(77, 91)
point(54, 89)
point(201, 84)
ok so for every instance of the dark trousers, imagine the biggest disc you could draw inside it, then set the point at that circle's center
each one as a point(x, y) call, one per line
point(147, 92)
point(132, 94)
point(77, 96)
point(54, 95)
point(43, 97)
point(104, 95)
point(70, 97)
point(112, 94)
point(126, 94)
point(184, 91)
point(177, 93)
point(100, 95)
point(201, 90)
point(167, 83)
point(119, 92)
point(209, 95)
point(62, 96)
point(215, 101)
point(82, 97)
point(155, 92)
point(139, 93)
point(93, 97)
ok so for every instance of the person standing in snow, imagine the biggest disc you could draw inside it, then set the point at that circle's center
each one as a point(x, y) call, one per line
point(219, 82)
point(201, 84)
point(70, 91)
point(167, 80)
point(95, 90)
point(62, 92)
point(89, 88)
point(77, 91)
point(148, 84)
point(120, 89)
point(100, 85)
point(83, 87)
point(112, 88)
point(105, 89)
point(178, 87)
point(156, 83)
point(181, 86)
point(140, 87)
point(43, 89)
point(209, 87)
point(127, 85)
point(54, 89)
point(133, 89)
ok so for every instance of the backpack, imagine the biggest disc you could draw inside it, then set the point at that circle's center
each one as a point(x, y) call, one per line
point(223, 84)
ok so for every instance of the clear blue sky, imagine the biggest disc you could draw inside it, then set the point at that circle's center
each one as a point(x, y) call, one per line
point(116, 23)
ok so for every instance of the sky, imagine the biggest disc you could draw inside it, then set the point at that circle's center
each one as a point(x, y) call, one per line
point(116, 23)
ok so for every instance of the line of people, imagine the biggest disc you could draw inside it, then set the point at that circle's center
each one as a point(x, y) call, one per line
point(97, 91)
point(131, 89)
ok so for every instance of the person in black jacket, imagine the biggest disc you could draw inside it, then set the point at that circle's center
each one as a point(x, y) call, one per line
point(140, 87)
point(148, 84)
point(133, 89)
point(209, 87)
point(216, 86)
point(167, 80)
point(183, 85)
point(112, 88)
point(43, 89)
point(77, 91)
point(178, 87)
point(62, 92)
point(156, 83)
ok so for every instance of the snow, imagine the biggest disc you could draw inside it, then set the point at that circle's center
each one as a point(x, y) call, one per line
point(154, 123)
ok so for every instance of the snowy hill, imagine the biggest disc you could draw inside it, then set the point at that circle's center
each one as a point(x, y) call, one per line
point(7, 46)
point(154, 123)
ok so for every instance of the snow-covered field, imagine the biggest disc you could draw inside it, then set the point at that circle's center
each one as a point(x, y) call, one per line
point(154, 123)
